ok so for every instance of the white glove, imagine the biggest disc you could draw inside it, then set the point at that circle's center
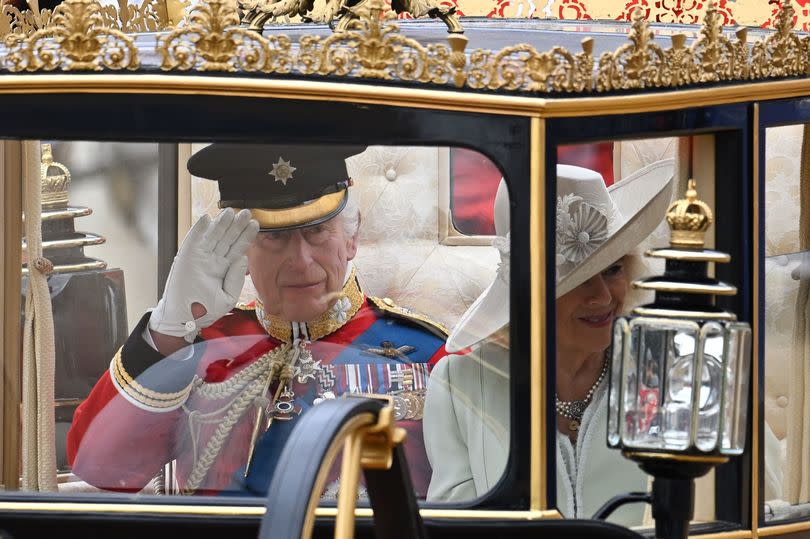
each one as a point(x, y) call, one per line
point(209, 269)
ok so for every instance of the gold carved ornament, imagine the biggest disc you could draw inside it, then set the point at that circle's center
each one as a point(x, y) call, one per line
point(635, 65)
point(148, 16)
point(712, 57)
point(25, 22)
point(524, 67)
point(213, 41)
point(781, 54)
point(258, 12)
point(76, 40)
point(368, 44)
point(372, 47)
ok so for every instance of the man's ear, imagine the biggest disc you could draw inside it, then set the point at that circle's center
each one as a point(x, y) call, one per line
point(354, 241)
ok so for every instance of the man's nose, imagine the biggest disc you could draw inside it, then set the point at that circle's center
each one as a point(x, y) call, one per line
point(300, 250)
point(598, 291)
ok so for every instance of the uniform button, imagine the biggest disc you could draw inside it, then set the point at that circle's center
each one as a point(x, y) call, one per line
point(391, 174)
point(782, 401)
point(190, 325)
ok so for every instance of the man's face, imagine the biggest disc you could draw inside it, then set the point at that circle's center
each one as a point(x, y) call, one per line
point(299, 273)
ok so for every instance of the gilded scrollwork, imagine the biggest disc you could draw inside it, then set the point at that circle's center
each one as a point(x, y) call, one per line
point(779, 54)
point(24, 22)
point(679, 67)
point(367, 43)
point(712, 49)
point(638, 64)
point(524, 67)
point(256, 13)
point(372, 47)
point(149, 16)
point(213, 41)
point(76, 40)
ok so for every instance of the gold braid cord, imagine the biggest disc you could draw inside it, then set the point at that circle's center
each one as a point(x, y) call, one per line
point(77, 40)
point(81, 35)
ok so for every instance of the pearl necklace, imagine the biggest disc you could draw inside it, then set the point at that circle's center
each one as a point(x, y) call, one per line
point(574, 410)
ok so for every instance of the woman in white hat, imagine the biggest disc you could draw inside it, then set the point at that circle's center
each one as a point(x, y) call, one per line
point(466, 420)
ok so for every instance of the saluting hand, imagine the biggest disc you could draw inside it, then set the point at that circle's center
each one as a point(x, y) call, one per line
point(209, 270)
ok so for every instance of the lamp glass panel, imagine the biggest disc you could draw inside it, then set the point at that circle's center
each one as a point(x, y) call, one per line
point(709, 386)
point(619, 331)
point(735, 400)
point(658, 384)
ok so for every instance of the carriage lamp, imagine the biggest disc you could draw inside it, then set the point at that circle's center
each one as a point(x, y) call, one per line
point(679, 371)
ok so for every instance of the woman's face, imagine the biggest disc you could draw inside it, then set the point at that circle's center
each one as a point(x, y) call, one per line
point(585, 314)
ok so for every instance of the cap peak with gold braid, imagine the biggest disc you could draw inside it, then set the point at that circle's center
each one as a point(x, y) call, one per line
point(285, 186)
point(689, 218)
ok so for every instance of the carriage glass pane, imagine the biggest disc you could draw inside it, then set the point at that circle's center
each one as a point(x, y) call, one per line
point(787, 337)
point(344, 293)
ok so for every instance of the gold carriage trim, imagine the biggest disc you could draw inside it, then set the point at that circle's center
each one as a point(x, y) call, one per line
point(387, 305)
point(144, 395)
point(75, 40)
point(82, 35)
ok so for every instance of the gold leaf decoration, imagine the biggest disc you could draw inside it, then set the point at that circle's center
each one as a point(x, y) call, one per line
point(25, 22)
point(256, 13)
point(367, 43)
point(524, 67)
point(76, 40)
point(149, 16)
point(372, 47)
point(212, 41)
point(146, 17)
point(5, 19)
point(780, 54)
point(679, 67)
point(638, 64)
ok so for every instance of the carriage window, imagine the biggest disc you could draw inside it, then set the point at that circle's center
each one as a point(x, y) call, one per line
point(787, 333)
point(99, 229)
point(322, 276)
point(600, 189)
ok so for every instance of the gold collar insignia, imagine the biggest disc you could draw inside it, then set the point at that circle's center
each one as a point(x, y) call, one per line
point(348, 303)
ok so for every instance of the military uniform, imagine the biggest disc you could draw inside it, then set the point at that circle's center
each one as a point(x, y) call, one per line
point(200, 405)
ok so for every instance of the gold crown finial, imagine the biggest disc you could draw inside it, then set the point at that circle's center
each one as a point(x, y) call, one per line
point(54, 186)
point(689, 218)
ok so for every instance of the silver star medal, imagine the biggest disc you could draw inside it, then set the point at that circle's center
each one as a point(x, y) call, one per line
point(282, 171)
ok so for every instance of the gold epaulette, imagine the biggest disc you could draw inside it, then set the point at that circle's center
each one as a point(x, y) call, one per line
point(388, 306)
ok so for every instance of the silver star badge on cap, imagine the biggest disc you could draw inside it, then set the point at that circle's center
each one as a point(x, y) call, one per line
point(282, 171)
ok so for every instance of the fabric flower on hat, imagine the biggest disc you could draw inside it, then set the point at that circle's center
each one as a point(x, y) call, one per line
point(580, 231)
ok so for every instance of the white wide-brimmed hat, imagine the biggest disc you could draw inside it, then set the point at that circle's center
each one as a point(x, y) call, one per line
point(490, 312)
point(595, 226)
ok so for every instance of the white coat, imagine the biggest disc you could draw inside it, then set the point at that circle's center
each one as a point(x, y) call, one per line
point(466, 427)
